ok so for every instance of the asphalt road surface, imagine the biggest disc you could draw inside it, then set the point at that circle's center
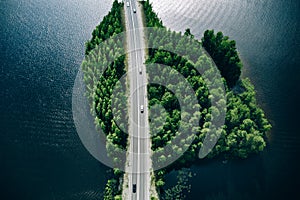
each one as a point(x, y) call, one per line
point(139, 148)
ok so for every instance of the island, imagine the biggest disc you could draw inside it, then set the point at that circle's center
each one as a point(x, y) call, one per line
point(243, 134)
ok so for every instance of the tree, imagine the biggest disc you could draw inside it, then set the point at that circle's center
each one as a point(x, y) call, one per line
point(223, 52)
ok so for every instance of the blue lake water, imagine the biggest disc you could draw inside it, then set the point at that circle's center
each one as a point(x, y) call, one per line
point(42, 46)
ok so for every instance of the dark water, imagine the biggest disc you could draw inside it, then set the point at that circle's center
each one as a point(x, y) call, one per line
point(267, 36)
point(41, 156)
point(42, 45)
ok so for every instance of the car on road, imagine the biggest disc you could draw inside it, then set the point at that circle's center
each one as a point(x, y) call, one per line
point(140, 70)
point(142, 108)
point(134, 10)
point(134, 188)
point(127, 3)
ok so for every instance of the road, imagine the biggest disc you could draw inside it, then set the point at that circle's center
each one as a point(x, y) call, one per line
point(139, 147)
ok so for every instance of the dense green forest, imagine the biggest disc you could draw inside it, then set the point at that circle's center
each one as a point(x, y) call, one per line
point(102, 68)
point(110, 25)
point(245, 128)
point(223, 52)
point(100, 86)
point(112, 189)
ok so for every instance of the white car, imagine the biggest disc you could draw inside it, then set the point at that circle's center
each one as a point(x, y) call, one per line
point(134, 10)
point(127, 3)
point(140, 70)
point(142, 108)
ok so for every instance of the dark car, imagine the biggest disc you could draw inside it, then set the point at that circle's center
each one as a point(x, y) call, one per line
point(134, 188)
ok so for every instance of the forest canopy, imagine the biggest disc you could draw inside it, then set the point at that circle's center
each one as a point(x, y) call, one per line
point(223, 52)
point(104, 89)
